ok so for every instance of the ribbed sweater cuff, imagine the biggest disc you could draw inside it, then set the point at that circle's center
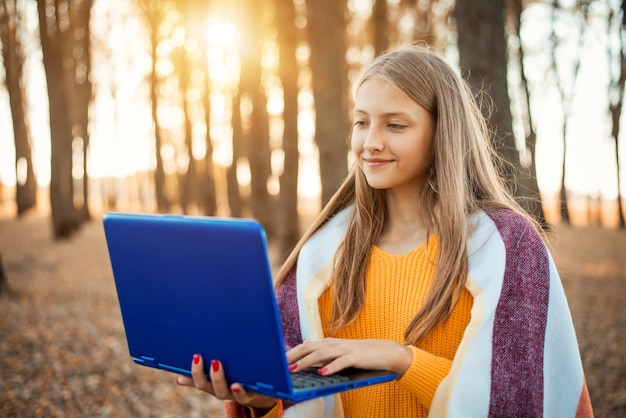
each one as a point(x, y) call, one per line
point(424, 375)
point(275, 412)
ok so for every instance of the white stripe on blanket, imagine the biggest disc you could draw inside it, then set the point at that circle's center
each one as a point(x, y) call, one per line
point(561, 352)
point(455, 396)
point(313, 277)
point(466, 390)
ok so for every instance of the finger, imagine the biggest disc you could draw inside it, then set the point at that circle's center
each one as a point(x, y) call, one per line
point(220, 387)
point(314, 354)
point(300, 351)
point(242, 397)
point(333, 366)
point(197, 373)
point(184, 381)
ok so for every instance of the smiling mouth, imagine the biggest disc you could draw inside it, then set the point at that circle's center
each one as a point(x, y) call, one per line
point(376, 162)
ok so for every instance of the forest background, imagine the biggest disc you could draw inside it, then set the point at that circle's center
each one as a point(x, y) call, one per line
point(242, 108)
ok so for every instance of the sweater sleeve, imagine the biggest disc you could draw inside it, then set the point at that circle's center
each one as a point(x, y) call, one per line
point(424, 375)
point(275, 412)
point(233, 410)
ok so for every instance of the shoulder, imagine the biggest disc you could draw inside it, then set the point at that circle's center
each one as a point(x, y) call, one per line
point(525, 254)
point(507, 235)
point(321, 245)
point(514, 228)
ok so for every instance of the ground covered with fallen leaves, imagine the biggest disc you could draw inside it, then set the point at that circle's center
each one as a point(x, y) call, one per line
point(63, 352)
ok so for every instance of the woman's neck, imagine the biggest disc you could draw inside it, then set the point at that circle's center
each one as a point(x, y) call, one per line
point(404, 228)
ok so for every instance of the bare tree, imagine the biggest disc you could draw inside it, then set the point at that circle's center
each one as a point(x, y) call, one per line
point(380, 26)
point(61, 26)
point(285, 16)
point(326, 24)
point(11, 26)
point(528, 180)
point(566, 93)
point(79, 82)
point(484, 63)
point(196, 183)
point(187, 179)
point(617, 60)
point(430, 17)
point(4, 285)
point(256, 135)
point(154, 14)
point(235, 201)
point(208, 192)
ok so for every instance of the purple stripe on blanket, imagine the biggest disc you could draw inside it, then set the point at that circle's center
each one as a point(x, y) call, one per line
point(520, 321)
point(287, 299)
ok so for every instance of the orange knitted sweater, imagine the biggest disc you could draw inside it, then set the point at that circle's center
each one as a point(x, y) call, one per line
point(396, 288)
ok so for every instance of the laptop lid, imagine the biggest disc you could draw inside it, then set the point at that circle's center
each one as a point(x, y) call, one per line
point(204, 285)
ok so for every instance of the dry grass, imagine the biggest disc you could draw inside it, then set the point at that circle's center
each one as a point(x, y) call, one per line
point(63, 352)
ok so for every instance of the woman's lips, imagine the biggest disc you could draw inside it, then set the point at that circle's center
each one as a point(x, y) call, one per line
point(376, 162)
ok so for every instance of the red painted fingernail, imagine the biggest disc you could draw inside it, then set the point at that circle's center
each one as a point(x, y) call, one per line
point(235, 389)
point(215, 365)
point(196, 358)
point(293, 367)
point(322, 371)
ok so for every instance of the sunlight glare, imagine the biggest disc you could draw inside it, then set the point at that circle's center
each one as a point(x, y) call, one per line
point(244, 177)
point(222, 35)
point(21, 171)
point(275, 104)
point(223, 60)
point(361, 8)
point(78, 170)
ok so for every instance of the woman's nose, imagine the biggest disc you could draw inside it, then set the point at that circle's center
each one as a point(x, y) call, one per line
point(373, 139)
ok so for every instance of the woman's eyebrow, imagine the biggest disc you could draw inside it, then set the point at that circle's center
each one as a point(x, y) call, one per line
point(397, 113)
point(384, 115)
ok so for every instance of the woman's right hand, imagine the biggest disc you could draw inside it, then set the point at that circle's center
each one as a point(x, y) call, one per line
point(219, 388)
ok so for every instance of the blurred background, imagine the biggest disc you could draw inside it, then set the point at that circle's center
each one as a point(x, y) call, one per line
point(242, 108)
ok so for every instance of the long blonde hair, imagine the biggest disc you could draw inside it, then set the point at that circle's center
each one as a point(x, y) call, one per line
point(462, 179)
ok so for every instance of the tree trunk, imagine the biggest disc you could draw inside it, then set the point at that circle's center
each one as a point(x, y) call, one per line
point(483, 61)
point(616, 104)
point(566, 95)
point(235, 203)
point(13, 58)
point(427, 21)
point(154, 16)
point(81, 36)
point(289, 232)
point(188, 182)
point(529, 186)
point(4, 284)
point(326, 24)
point(380, 26)
point(563, 206)
point(208, 195)
point(64, 215)
point(257, 136)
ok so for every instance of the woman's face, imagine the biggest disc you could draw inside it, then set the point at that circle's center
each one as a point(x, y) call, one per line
point(392, 137)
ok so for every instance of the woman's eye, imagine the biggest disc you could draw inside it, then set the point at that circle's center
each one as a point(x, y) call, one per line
point(396, 126)
point(360, 124)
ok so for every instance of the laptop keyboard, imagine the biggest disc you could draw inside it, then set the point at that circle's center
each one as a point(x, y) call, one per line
point(309, 379)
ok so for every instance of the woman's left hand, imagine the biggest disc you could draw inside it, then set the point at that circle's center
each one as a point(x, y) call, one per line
point(338, 354)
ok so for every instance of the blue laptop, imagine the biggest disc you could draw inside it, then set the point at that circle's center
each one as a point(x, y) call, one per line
point(192, 284)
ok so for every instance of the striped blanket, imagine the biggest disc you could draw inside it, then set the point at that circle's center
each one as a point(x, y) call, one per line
point(518, 357)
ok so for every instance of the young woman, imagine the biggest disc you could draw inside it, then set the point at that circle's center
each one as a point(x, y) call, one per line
point(422, 264)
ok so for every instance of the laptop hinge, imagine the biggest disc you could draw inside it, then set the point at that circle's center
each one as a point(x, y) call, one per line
point(147, 361)
point(265, 386)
